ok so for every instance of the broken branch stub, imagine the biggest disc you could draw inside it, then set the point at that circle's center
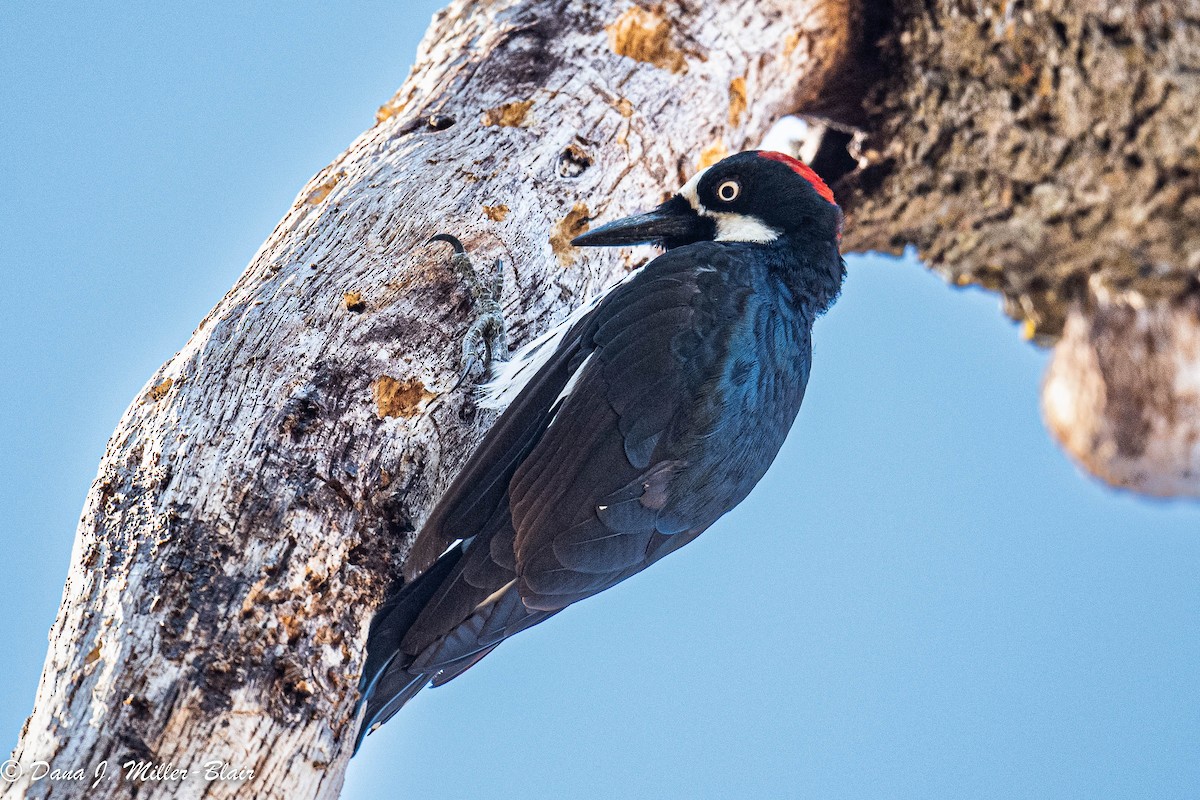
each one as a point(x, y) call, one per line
point(1122, 394)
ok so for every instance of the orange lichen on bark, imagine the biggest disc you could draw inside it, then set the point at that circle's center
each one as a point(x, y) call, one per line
point(737, 100)
point(397, 104)
point(159, 391)
point(625, 108)
point(645, 36)
point(712, 154)
point(789, 43)
point(570, 226)
point(509, 115)
point(321, 192)
point(387, 111)
point(395, 398)
point(496, 213)
point(353, 301)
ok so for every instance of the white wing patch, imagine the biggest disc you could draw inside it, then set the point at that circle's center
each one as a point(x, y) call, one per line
point(494, 596)
point(570, 387)
point(510, 377)
point(456, 543)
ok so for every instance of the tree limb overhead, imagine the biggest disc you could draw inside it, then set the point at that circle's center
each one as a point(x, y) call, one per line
point(1050, 151)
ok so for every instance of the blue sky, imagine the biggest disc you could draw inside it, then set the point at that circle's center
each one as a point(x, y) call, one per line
point(922, 599)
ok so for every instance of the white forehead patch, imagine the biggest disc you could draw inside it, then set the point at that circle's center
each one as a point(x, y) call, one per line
point(731, 227)
point(689, 191)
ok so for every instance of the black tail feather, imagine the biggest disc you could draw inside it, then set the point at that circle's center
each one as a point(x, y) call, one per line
point(387, 696)
point(386, 683)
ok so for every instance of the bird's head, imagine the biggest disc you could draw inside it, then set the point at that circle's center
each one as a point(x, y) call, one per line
point(754, 196)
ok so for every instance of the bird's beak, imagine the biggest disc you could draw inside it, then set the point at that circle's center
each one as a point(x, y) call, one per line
point(673, 223)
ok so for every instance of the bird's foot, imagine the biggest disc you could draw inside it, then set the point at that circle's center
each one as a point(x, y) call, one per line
point(486, 340)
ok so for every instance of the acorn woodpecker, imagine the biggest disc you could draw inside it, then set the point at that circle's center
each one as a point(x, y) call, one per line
point(628, 429)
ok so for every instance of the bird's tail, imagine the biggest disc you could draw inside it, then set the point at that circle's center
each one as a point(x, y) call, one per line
point(387, 684)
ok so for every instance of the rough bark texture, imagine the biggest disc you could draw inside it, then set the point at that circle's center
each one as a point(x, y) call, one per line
point(257, 496)
point(1050, 150)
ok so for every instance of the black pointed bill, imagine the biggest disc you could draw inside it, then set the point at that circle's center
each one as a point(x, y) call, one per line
point(673, 223)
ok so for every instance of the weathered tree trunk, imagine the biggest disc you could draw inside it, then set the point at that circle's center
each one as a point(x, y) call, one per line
point(257, 496)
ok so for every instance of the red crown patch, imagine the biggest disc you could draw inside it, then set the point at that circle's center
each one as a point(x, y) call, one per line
point(803, 170)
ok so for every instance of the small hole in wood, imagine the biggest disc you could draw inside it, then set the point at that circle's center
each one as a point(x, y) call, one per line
point(573, 161)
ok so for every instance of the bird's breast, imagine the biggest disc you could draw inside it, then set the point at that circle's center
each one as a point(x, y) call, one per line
point(743, 409)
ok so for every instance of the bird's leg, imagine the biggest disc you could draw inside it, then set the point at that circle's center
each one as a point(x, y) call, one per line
point(487, 338)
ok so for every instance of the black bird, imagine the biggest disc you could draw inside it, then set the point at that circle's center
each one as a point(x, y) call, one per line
point(628, 429)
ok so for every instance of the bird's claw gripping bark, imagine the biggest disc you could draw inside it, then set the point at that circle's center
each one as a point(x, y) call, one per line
point(486, 340)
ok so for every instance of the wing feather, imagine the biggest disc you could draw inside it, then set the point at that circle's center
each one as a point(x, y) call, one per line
point(482, 485)
point(575, 488)
point(586, 500)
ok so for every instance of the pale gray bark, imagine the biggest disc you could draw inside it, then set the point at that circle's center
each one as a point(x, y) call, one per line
point(258, 495)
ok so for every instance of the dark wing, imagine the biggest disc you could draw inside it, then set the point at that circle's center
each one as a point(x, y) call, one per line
point(597, 498)
point(566, 490)
point(481, 487)
point(574, 488)
point(449, 609)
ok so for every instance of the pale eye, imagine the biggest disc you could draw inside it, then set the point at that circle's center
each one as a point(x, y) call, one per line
point(728, 191)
